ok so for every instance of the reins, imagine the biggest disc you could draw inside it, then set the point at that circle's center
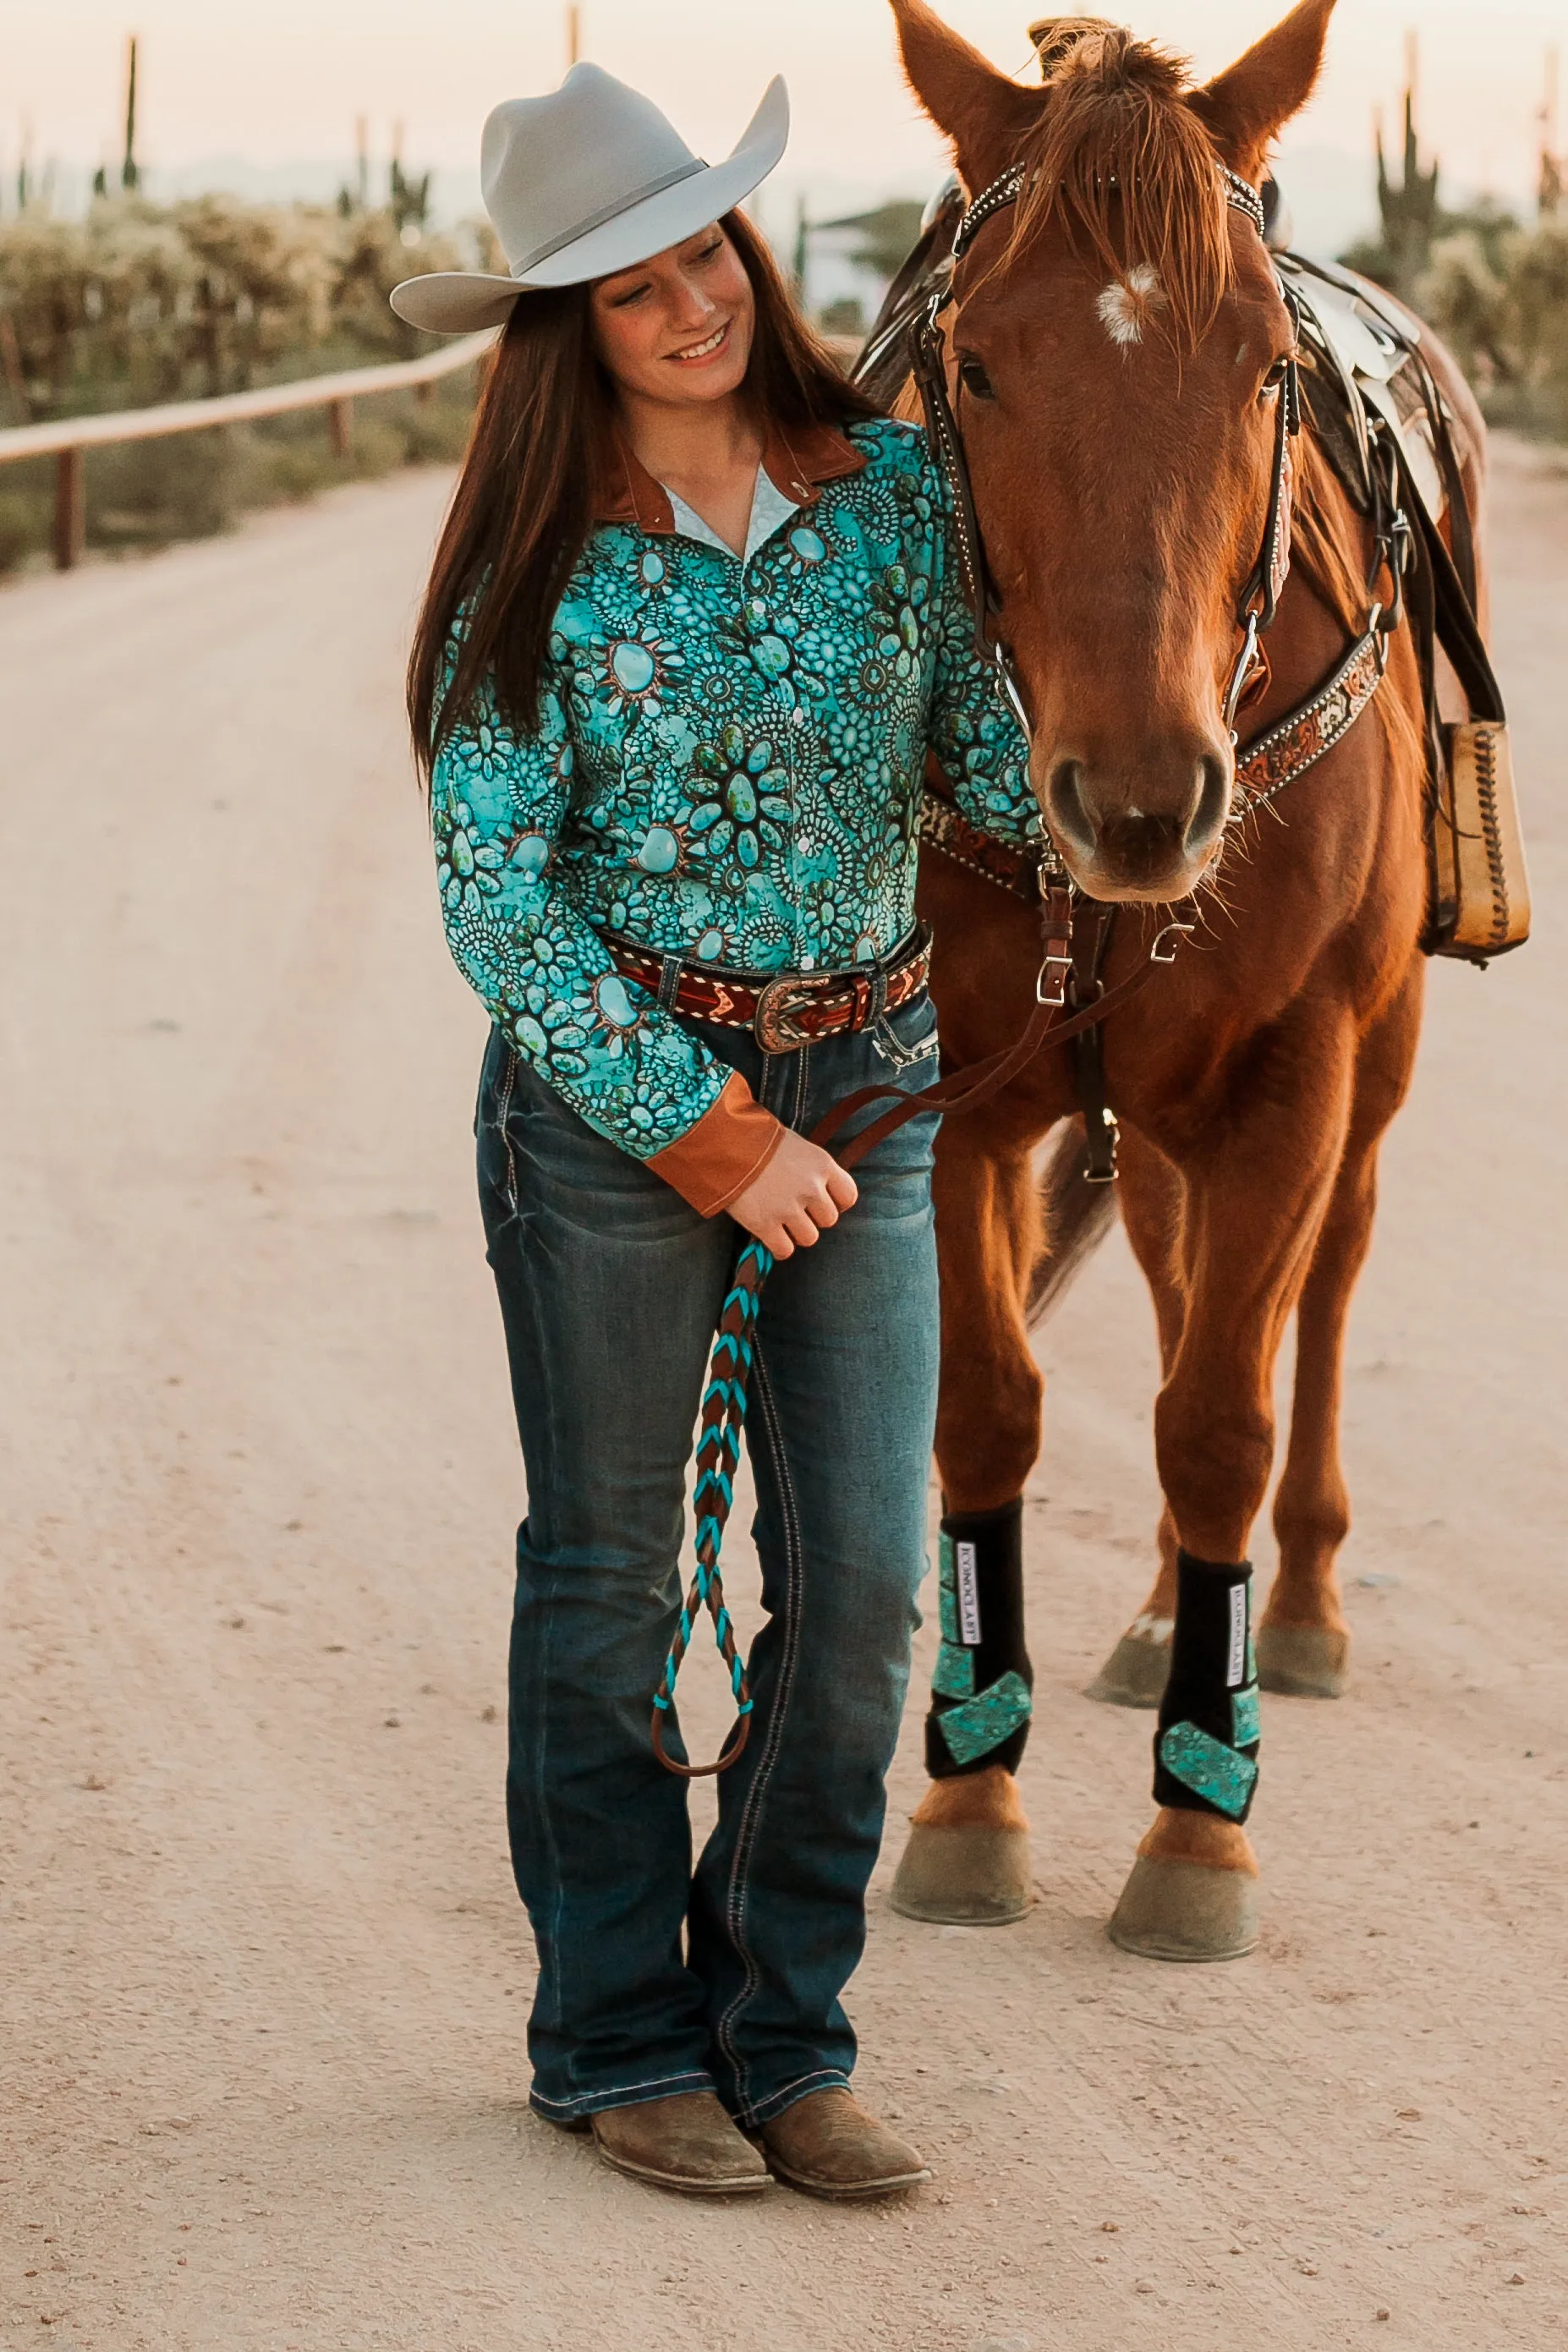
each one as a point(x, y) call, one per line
point(718, 1458)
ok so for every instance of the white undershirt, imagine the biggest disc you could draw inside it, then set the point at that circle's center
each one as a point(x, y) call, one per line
point(769, 508)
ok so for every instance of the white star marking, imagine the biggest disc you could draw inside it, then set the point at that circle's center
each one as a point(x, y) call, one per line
point(1126, 305)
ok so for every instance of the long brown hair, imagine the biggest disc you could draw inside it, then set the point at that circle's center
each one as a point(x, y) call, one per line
point(522, 512)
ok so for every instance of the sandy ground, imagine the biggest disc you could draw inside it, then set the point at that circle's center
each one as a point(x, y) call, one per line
point(263, 1972)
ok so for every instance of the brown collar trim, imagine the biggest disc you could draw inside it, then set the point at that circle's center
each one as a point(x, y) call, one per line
point(797, 464)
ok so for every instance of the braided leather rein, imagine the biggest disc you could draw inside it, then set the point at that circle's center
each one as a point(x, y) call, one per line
point(718, 1459)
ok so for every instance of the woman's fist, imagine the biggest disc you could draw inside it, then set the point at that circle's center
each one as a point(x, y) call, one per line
point(801, 1190)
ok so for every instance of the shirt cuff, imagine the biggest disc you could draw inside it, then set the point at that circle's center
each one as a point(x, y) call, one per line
point(717, 1157)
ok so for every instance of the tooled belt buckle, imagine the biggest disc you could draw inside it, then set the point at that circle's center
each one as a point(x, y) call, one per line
point(772, 1025)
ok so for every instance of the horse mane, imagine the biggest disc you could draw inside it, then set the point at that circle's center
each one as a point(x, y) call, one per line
point(1119, 157)
point(1319, 535)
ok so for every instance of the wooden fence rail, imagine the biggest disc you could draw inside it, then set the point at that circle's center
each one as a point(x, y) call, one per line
point(68, 438)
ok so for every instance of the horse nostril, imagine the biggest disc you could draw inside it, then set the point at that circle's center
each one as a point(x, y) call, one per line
point(1064, 805)
point(1211, 803)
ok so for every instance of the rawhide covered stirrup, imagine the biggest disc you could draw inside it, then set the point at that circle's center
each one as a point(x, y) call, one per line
point(1206, 1749)
point(980, 1699)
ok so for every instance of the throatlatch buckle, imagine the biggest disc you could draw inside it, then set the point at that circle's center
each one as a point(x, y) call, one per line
point(772, 1026)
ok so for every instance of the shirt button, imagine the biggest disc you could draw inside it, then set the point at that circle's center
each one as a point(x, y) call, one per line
point(808, 964)
point(797, 717)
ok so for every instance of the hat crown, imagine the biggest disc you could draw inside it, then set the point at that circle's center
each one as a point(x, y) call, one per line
point(553, 166)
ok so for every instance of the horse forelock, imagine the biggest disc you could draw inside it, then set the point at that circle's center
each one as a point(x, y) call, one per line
point(1120, 158)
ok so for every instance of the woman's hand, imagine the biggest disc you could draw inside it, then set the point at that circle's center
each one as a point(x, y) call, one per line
point(801, 1190)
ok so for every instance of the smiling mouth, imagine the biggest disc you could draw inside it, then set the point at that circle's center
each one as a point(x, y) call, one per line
point(704, 350)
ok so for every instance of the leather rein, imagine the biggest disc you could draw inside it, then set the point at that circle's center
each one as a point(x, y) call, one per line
point(1264, 766)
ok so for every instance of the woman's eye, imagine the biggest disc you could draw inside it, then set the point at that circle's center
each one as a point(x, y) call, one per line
point(636, 295)
point(973, 378)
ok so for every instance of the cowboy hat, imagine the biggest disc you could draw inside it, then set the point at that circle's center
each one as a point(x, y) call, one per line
point(586, 181)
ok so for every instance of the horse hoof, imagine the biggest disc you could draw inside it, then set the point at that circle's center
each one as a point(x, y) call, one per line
point(1185, 1911)
point(1134, 1674)
point(1303, 1661)
point(965, 1877)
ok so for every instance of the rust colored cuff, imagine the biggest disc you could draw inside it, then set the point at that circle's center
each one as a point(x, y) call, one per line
point(719, 1157)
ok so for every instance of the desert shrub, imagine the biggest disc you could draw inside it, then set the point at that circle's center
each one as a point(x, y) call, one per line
point(1466, 301)
point(26, 516)
point(1505, 313)
point(138, 304)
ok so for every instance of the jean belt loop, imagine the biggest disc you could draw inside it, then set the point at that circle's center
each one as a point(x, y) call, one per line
point(879, 994)
point(670, 972)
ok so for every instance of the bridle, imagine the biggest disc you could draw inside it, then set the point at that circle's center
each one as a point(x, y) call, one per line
point(1069, 977)
point(1260, 594)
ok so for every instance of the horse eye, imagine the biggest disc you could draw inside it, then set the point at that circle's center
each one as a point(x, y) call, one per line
point(1276, 376)
point(973, 378)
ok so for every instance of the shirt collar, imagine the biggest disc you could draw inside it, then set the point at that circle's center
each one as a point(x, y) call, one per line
point(797, 461)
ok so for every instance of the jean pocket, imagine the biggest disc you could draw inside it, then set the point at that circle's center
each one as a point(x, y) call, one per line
point(492, 1117)
point(907, 1040)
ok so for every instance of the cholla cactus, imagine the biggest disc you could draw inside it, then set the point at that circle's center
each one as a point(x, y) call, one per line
point(1538, 308)
point(1466, 301)
point(264, 283)
point(1505, 312)
point(371, 253)
point(141, 303)
point(46, 282)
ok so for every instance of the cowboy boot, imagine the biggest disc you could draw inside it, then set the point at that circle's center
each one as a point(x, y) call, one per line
point(828, 2145)
point(686, 2143)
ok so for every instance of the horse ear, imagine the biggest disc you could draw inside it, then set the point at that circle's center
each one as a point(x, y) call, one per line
point(982, 112)
point(1246, 105)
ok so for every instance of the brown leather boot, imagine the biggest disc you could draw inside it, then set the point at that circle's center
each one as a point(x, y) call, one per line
point(828, 2145)
point(686, 2143)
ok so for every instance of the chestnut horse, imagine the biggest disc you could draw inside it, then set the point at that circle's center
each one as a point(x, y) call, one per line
point(1119, 342)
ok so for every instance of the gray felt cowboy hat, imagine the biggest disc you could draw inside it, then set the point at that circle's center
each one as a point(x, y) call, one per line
point(591, 179)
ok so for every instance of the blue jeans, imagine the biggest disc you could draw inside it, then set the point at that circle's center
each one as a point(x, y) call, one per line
point(654, 1979)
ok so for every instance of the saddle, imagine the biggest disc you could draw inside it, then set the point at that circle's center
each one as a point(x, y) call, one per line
point(1383, 423)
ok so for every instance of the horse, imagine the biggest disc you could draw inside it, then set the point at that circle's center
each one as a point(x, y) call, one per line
point(1118, 350)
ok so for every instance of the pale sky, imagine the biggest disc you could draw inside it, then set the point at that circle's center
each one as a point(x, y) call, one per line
point(284, 80)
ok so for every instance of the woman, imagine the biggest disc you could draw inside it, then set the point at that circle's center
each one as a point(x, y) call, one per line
point(690, 630)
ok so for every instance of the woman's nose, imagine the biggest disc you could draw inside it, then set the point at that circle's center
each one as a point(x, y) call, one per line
point(693, 307)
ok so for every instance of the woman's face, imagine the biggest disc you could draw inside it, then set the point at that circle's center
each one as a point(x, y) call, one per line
point(678, 328)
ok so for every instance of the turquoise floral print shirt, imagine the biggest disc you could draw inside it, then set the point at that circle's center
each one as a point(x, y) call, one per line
point(728, 765)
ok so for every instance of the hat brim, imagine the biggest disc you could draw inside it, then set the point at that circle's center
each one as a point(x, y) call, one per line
point(457, 302)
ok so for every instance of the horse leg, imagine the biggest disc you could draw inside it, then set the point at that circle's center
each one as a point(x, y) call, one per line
point(967, 1860)
point(1151, 1211)
point(1303, 1642)
point(1253, 1211)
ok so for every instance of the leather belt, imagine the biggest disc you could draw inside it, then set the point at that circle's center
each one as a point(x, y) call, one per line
point(784, 1010)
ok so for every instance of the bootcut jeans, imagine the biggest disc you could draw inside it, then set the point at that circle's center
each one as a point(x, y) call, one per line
point(655, 1979)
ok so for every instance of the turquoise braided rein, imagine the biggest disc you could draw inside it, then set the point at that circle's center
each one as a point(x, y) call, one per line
point(718, 1459)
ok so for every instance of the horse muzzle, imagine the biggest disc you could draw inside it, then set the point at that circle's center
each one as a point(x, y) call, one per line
point(1148, 830)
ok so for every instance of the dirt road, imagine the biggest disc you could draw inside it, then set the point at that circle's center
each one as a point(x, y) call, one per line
point(262, 1973)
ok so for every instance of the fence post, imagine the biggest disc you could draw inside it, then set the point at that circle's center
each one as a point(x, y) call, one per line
point(70, 508)
point(341, 414)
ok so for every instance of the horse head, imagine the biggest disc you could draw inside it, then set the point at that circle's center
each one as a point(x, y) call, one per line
point(1121, 347)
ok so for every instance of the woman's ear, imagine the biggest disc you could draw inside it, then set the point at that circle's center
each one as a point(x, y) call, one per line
point(1246, 107)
